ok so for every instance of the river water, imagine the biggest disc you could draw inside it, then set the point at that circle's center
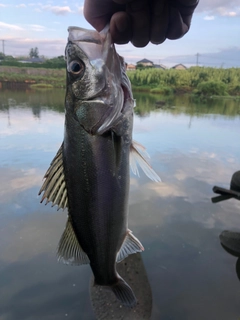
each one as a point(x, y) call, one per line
point(193, 146)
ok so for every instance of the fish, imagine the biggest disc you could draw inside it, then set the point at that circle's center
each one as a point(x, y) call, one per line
point(90, 173)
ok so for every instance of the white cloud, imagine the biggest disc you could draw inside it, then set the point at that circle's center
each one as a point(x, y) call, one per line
point(4, 25)
point(229, 8)
point(3, 5)
point(22, 5)
point(224, 11)
point(80, 10)
point(208, 18)
point(36, 27)
point(47, 47)
point(57, 10)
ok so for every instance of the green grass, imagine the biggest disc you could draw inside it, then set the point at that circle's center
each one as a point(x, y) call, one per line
point(41, 86)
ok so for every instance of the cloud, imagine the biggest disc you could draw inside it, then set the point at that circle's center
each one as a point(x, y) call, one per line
point(36, 27)
point(47, 47)
point(208, 18)
point(22, 5)
point(220, 7)
point(4, 25)
point(80, 10)
point(58, 10)
point(3, 5)
point(227, 57)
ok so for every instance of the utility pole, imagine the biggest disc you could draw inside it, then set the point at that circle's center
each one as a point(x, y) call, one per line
point(197, 58)
point(3, 42)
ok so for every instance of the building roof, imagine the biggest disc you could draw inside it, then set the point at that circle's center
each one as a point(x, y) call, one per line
point(144, 61)
point(178, 65)
point(160, 66)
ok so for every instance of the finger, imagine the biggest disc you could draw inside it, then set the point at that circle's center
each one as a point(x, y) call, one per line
point(186, 9)
point(98, 13)
point(120, 28)
point(177, 27)
point(160, 20)
point(122, 1)
point(139, 12)
point(188, 3)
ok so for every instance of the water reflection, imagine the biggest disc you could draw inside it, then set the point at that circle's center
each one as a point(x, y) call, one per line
point(193, 146)
point(106, 306)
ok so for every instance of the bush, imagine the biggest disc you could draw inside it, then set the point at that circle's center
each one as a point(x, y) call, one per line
point(165, 90)
point(210, 88)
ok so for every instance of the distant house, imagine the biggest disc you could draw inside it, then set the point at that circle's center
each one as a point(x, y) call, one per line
point(179, 67)
point(32, 60)
point(160, 66)
point(145, 63)
point(131, 67)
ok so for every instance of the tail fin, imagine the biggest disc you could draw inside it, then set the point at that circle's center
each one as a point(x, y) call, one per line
point(124, 293)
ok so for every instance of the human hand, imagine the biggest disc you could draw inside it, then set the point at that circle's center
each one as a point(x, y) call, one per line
point(141, 21)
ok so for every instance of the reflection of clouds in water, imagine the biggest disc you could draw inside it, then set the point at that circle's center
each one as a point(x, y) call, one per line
point(39, 288)
point(23, 122)
point(14, 182)
point(36, 234)
point(186, 190)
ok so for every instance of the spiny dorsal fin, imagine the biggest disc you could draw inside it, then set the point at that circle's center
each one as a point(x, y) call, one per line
point(54, 186)
point(130, 245)
point(69, 250)
point(139, 156)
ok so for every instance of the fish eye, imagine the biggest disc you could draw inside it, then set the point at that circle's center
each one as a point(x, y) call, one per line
point(76, 67)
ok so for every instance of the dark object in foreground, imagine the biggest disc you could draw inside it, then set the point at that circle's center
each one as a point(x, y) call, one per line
point(105, 304)
point(233, 192)
point(230, 241)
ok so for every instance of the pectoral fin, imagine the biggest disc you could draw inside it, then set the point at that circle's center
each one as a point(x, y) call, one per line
point(130, 245)
point(69, 250)
point(54, 186)
point(139, 156)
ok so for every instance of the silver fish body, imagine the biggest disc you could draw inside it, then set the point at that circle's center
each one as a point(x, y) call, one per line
point(90, 173)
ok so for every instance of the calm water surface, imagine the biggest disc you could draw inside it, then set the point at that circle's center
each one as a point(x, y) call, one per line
point(193, 146)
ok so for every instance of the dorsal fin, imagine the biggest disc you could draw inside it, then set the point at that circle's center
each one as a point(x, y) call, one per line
point(130, 245)
point(69, 250)
point(54, 186)
point(139, 156)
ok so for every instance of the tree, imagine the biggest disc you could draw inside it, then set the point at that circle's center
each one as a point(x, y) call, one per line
point(34, 53)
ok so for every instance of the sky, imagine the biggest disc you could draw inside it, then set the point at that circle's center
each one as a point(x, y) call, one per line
point(213, 39)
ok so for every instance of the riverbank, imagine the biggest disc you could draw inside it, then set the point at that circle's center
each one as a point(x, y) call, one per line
point(200, 81)
point(23, 76)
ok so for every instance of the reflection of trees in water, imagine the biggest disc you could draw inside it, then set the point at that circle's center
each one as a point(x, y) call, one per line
point(54, 99)
point(145, 103)
point(37, 100)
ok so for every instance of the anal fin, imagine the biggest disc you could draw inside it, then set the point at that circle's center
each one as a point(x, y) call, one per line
point(130, 245)
point(69, 250)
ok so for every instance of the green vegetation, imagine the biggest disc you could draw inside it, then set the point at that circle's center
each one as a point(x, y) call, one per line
point(54, 63)
point(41, 86)
point(41, 76)
point(200, 80)
point(34, 53)
point(206, 88)
point(163, 90)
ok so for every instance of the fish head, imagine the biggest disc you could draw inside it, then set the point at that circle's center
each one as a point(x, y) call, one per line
point(97, 83)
